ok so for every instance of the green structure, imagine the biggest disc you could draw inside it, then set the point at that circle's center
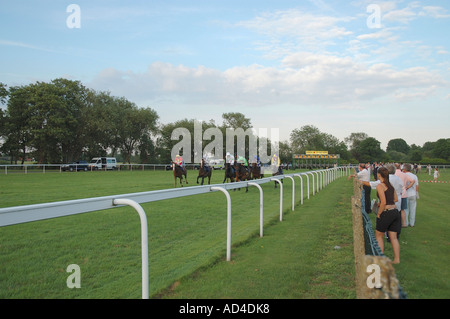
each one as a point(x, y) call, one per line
point(315, 159)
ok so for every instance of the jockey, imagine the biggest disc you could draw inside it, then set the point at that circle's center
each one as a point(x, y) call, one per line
point(242, 160)
point(205, 164)
point(276, 164)
point(256, 161)
point(179, 161)
point(229, 159)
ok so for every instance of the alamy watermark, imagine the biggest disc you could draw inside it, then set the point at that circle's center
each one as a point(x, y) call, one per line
point(374, 279)
point(73, 21)
point(374, 19)
point(191, 147)
point(74, 280)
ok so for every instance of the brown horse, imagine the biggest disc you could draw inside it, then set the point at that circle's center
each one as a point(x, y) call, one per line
point(178, 172)
point(256, 172)
point(203, 173)
point(229, 173)
point(242, 174)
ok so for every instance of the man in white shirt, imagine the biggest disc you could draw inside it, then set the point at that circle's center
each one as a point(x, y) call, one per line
point(412, 190)
point(364, 176)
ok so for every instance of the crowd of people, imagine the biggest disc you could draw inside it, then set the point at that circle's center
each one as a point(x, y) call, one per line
point(397, 189)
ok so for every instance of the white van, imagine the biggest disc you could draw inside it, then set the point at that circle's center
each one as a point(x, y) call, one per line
point(217, 163)
point(103, 163)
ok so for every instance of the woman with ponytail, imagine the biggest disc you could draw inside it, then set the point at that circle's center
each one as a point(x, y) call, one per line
point(388, 217)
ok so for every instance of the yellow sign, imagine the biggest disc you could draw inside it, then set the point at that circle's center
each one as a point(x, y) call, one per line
point(316, 152)
point(325, 156)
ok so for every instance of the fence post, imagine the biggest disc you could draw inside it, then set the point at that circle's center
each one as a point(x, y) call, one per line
point(281, 196)
point(307, 183)
point(261, 207)
point(313, 187)
point(144, 241)
point(301, 187)
point(293, 191)
point(223, 190)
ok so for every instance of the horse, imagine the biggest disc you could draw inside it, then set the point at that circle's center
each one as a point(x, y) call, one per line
point(256, 171)
point(229, 173)
point(278, 172)
point(202, 173)
point(178, 172)
point(242, 174)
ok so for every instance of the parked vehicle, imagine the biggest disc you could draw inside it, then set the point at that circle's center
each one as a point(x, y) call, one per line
point(75, 166)
point(217, 163)
point(105, 163)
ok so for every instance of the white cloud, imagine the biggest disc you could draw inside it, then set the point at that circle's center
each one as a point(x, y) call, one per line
point(289, 30)
point(413, 11)
point(304, 79)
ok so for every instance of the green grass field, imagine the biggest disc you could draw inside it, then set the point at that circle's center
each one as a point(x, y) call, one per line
point(307, 255)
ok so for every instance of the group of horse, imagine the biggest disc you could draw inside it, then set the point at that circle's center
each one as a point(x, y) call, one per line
point(233, 173)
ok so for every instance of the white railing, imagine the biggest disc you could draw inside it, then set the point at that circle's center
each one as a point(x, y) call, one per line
point(30, 213)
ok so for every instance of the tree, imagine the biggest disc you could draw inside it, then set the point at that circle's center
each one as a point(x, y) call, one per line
point(137, 125)
point(442, 148)
point(236, 120)
point(369, 150)
point(15, 126)
point(353, 141)
point(306, 138)
point(398, 145)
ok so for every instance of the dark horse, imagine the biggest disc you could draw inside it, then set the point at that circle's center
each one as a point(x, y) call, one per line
point(256, 171)
point(203, 173)
point(242, 174)
point(229, 173)
point(278, 172)
point(178, 172)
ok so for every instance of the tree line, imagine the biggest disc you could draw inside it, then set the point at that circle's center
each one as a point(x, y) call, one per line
point(62, 121)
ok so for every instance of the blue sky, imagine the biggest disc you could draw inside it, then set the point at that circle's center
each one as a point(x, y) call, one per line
point(284, 64)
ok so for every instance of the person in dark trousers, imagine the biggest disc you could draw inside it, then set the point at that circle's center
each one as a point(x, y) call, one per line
point(363, 175)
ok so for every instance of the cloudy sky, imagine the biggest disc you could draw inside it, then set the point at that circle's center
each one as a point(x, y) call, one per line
point(379, 67)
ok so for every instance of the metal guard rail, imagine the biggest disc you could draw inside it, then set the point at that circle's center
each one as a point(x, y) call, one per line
point(30, 213)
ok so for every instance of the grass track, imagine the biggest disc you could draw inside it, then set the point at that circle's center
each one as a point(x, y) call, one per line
point(295, 259)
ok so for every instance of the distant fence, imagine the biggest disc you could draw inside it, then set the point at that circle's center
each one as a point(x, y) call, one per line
point(368, 253)
point(30, 213)
point(59, 168)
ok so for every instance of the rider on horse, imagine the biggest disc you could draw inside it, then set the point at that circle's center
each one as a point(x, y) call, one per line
point(205, 164)
point(229, 159)
point(179, 161)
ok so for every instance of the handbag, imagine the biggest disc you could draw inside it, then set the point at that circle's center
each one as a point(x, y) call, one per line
point(374, 206)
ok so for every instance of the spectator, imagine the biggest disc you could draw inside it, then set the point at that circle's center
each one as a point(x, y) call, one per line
point(404, 201)
point(388, 217)
point(412, 191)
point(436, 175)
point(363, 175)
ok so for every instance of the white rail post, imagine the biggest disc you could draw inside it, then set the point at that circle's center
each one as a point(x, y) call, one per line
point(281, 196)
point(223, 190)
point(307, 183)
point(144, 240)
point(293, 191)
point(317, 176)
point(313, 187)
point(261, 207)
point(301, 187)
point(320, 172)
